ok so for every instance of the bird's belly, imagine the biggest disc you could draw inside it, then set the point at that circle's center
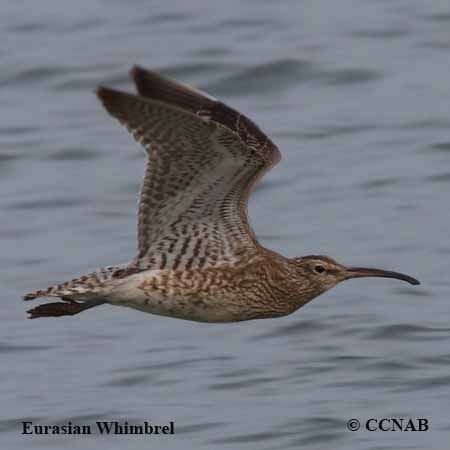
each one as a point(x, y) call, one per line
point(196, 309)
point(181, 304)
point(166, 293)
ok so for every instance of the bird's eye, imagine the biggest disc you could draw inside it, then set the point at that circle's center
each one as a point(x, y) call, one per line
point(319, 268)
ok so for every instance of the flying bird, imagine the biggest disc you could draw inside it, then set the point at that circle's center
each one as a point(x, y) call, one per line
point(197, 255)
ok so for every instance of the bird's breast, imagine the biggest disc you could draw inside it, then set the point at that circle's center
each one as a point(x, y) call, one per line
point(200, 295)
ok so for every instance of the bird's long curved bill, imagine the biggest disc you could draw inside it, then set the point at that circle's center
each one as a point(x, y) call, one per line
point(359, 272)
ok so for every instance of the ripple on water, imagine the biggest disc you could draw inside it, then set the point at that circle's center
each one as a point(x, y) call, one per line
point(417, 292)
point(439, 17)
point(73, 154)
point(238, 24)
point(245, 383)
point(25, 77)
point(5, 158)
point(167, 349)
point(17, 130)
point(378, 183)
point(408, 332)
point(132, 380)
point(332, 131)
point(341, 77)
point(351, 359)
point(199, 427)
point(181, 71)
point(284, 73)
point(15, 424)
point(237, 373)
point(212, 51)
point(164, 18)
point(8, 348)
point(300, 328)
point(382, 33)
point(441, 147)
point(309, 431)
point(245, 23)
point(437, 44)
point(27, 27)
point(305, 373)
point(386, 367)
point(425, 124)
point(279, 74)
point(440, 359)
point(156, 374)
point(249, 437)
point(425, 383)
point(314, 430)
point(51, 203)
point(439, 178)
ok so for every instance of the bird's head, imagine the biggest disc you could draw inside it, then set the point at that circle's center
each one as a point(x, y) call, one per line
point(323, 273)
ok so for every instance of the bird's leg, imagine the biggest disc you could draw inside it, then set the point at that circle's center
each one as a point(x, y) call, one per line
point(58, 309)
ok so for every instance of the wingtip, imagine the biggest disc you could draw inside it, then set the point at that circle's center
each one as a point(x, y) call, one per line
point(108, 97)
point(146, 80)
point(136, 72)
point(101, 92)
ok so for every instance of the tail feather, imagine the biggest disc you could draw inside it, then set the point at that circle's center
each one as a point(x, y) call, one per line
point(89, 285)
point(67, 289)
point(40, 293)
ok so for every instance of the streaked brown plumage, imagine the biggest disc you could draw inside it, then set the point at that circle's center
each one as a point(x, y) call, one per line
point(197, 258)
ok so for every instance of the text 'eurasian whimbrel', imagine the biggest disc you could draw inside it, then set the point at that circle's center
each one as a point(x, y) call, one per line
point(198, 258)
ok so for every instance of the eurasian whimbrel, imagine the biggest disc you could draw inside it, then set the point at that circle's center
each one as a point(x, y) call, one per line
point(198, 258)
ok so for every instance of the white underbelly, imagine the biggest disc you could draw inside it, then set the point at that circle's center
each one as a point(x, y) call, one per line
point(182, 311)
point(213, 309)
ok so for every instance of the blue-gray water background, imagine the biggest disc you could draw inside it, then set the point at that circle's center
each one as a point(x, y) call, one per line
point(357, 96)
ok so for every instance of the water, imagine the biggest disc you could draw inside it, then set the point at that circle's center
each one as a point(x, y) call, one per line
point(356, 95)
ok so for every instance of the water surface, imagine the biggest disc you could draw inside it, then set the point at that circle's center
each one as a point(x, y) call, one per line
point(356, 95)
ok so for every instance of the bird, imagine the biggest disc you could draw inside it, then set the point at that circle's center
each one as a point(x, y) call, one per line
point(197, 257)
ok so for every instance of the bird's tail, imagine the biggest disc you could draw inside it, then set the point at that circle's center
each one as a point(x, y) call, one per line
point(73, 289)
point(80, 293)
point(52, 291)
point(84, 287)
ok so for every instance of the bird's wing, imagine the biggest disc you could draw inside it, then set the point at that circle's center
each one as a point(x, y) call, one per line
point(204, 159)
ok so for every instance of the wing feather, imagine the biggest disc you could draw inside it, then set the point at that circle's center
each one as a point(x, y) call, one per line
point(203, 161)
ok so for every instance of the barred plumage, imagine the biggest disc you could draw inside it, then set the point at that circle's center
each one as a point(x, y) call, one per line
point(197, 256)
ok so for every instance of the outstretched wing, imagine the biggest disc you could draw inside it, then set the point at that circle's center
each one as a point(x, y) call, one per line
point(204, 159)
